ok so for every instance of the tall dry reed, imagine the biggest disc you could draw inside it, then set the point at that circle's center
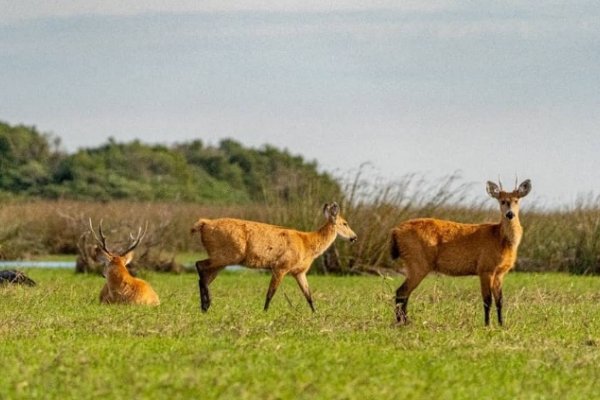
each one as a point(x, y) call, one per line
point(554, 240)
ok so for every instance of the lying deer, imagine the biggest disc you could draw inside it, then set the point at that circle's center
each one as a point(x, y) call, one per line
point(488, 250)
point(120, 286)
point(230, 241)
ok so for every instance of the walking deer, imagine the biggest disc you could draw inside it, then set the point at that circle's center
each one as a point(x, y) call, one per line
point(230, 241)
point(451, 248)
point(120, 286)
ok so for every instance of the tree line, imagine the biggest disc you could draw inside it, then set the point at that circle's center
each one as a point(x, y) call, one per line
point(32, 164)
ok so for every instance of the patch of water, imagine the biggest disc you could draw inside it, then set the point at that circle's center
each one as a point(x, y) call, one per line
point(37, 264)
point(68, 264)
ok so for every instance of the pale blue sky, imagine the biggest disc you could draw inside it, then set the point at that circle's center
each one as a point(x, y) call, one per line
point(421, 86)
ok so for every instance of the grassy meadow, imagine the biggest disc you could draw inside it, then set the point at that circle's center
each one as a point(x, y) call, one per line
point(59, 342)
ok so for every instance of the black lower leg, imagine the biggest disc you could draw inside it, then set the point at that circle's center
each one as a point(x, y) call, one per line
point(487, 304)
point(204, 294)
point(275, 281)
point(499, 308)
point(310, 303)
point(268, 300)
point(401, 303)
point(203, 285)
point(270, 294)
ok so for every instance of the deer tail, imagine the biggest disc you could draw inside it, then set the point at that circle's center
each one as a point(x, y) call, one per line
point(198, 225)
point(395, 252)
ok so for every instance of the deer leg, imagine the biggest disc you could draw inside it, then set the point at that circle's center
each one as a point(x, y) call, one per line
point(497, 292)
point(211, 274)
point(403, 293)
point(208, 276)
point(486, 294)
point(202, 267)
point(303, 283)
point(275, 281)
point(104, 293)
point(401, 303)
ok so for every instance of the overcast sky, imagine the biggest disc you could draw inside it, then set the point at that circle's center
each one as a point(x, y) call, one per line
point(488, 89)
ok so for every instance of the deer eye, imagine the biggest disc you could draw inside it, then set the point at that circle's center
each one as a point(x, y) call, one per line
point(504, 202)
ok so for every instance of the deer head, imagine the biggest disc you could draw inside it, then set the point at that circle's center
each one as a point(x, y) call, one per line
point(509, 201)
point(332, 213)
point(110, 258)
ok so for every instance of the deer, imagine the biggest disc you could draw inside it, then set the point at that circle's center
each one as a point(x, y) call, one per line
point(121, 287)
point(257, 245)
point(488, 250)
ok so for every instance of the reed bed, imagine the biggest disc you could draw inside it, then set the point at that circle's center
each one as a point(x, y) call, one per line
point(566, 239)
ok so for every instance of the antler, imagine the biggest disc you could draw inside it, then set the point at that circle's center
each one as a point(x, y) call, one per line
point(500, 183)
point(102, 239)
point(136, 240)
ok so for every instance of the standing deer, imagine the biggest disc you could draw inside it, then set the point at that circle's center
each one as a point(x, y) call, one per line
point(120, 286)
point(488, 250)
point(230, 241)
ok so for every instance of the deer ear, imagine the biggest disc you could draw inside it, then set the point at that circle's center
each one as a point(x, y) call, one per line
point(492, 189)
point(100, 256)
point(128, 257)
point(326, 210)
point(524, 188)
point(331, 210)
point(334, 209)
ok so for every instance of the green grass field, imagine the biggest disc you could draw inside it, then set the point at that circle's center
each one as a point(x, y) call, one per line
point(57, 341)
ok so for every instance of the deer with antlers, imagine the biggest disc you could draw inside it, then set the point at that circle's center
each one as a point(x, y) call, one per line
point(120, 286)
point(489, 250)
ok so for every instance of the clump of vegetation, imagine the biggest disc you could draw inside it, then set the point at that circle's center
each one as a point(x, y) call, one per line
point(32, 166)
point(565, 240)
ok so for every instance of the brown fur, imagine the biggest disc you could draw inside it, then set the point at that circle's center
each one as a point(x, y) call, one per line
point(489, 250)
point(120, 286)
point(230, 241)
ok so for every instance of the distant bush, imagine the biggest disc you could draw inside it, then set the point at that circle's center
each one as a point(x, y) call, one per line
point(31, 165)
